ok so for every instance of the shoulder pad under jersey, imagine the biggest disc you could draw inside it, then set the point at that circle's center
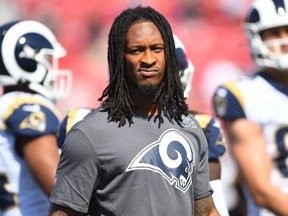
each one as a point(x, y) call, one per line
point(28, 116)
point(73, 116)
point(228, 103)
point(214, 136)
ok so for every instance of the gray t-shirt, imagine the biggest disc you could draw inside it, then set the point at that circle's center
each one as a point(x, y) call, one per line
point(152, 167)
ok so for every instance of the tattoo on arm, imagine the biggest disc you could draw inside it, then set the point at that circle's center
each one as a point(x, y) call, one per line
point(203, 206)
point(59, 213)
point(57, 210)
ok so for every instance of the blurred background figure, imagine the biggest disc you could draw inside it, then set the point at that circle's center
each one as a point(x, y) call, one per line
point(32, 84)
point(211, 128)
point(82, 29)
point(254, 111)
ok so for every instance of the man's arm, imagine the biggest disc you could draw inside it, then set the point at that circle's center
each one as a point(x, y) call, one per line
point(216, 184)
point(57, 210)
point(205, 207)
point(42, 156)
point(214, 170)
point(216, 148)
point(248, 147)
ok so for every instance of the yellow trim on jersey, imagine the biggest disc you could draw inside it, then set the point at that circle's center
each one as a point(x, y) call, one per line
point(71, 119)
point(26, 100)
point(6, 182)
point(232, 87)
point(203, 119)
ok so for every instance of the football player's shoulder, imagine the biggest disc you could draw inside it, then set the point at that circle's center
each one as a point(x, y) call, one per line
point(224, 89)
point(233, 86)
point(228, 101)
point(26, 102)
point(203, 119)
point(90, 117)
point(30, 114)
point(77, 114)
point(73, 116)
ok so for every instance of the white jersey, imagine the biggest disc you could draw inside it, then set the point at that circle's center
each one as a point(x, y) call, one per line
point(22, 115)
point(264, 102)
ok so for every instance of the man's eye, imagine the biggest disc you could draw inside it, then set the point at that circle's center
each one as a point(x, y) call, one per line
point(134, 51)
point(158, 49)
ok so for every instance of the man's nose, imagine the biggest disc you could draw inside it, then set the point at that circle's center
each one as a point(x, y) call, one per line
point(148, 57)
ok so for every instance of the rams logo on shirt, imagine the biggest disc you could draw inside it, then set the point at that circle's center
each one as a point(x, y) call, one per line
point(172, 156)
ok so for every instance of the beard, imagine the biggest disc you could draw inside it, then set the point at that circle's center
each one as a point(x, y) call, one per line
point(148, 89)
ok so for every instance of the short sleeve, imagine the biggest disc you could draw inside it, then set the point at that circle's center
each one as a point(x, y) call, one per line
point(77, 173)
point(201, 185)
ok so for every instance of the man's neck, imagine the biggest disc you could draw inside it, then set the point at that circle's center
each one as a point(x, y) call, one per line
point(143, 104)
point(279, 76)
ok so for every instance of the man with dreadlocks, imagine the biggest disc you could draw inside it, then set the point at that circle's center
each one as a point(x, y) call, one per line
point(161, 168)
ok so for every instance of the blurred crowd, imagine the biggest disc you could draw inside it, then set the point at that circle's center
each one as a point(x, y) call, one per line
point(211, 31)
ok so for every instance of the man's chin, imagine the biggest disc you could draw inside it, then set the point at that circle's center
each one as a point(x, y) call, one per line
point(148, 89)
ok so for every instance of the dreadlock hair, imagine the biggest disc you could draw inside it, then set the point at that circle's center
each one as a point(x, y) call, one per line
point(118, 102)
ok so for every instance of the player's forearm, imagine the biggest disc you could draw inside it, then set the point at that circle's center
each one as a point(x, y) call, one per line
point(205, 207)
point(272, 199)
point(62, 213)
point(57, 210)
point(59, 213)
point(214, 170)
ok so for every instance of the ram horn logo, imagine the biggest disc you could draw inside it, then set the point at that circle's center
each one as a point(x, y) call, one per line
point(172, 156)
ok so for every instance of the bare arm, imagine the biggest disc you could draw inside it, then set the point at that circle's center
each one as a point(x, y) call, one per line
point(205, 207)
point(248, 148)
point(214, 170)
point(42, 157)
point(216, 184)
point(57, 210)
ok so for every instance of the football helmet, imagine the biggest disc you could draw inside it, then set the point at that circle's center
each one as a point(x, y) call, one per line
point(29, 54)
point(186, 68)
point(263, 15)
